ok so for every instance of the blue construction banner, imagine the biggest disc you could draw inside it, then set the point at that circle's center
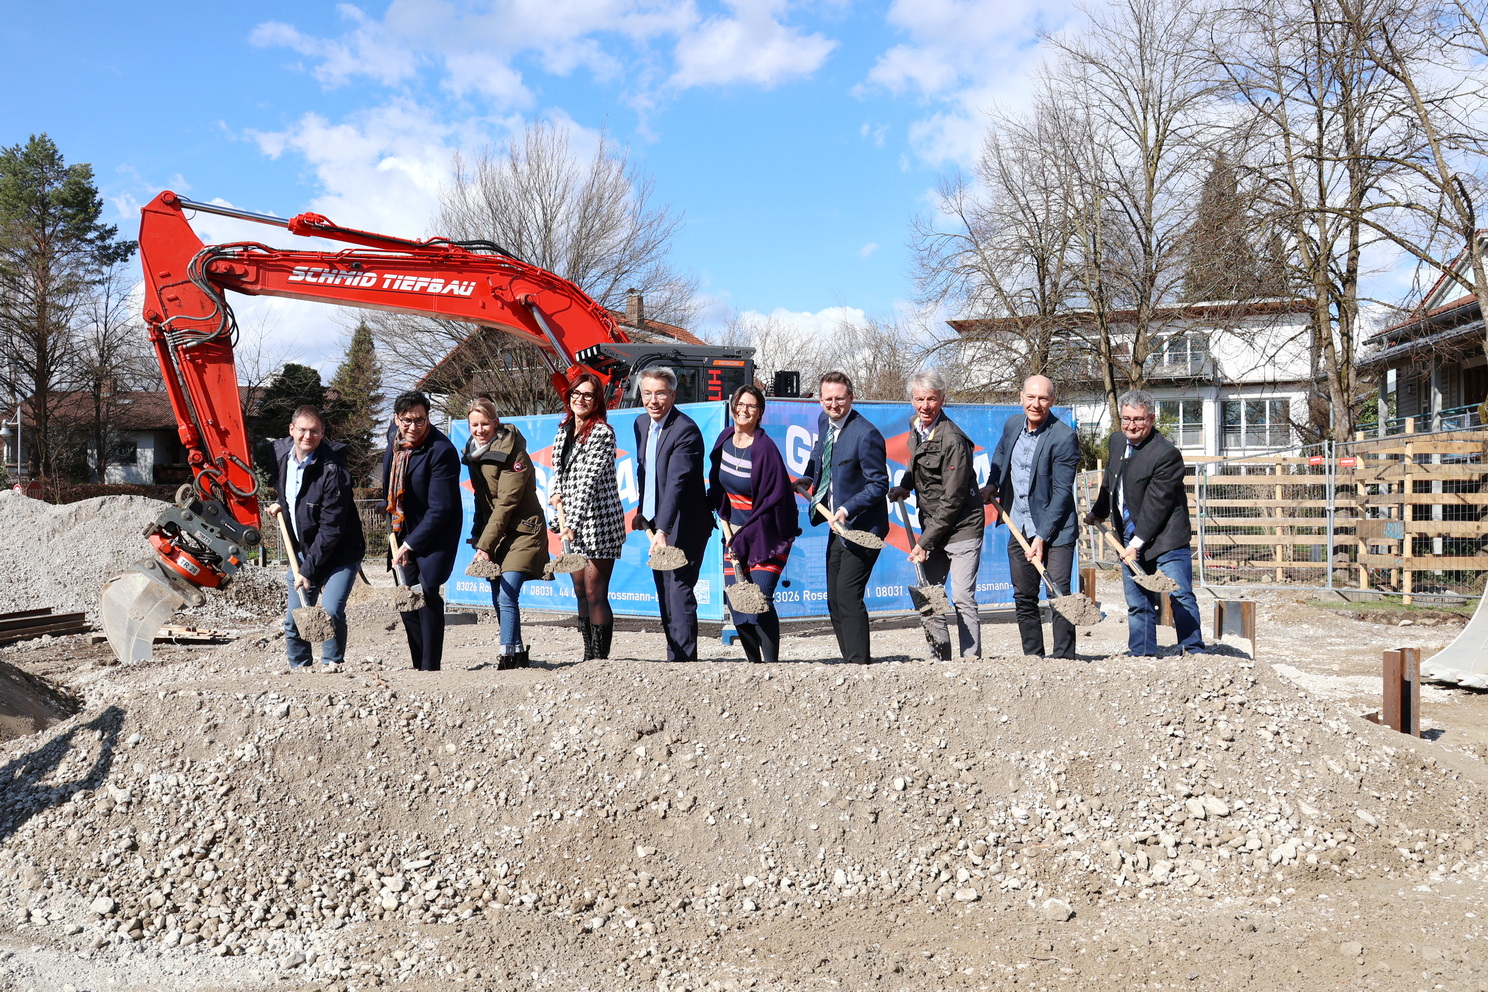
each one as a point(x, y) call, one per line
point(632, 589)
point(802, 591)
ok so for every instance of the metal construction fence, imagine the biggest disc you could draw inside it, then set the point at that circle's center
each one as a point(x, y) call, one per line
point(1402, 514)
point(374, 526)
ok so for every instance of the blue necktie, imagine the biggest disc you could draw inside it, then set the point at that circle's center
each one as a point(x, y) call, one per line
point(648, 500)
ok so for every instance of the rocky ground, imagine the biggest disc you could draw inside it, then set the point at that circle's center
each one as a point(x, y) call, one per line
point(211, 821)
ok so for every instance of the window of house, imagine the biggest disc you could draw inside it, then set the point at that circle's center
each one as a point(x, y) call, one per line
point(1256, 423)
point(1183, 353)
point(124, 453)
point(1182, 421)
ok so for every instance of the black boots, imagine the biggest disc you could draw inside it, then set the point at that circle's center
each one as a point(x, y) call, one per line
point(517, 659)
point(587, 629)
point(603, 633)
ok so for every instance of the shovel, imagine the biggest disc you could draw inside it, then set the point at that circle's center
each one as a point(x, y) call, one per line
point(406, 598)
point(667, 557)
point(1156, 582)
point(567, 562)
point(745, 596)
point(862, 538)
point(1076, 609)
point(312, 621)
point(929, 600)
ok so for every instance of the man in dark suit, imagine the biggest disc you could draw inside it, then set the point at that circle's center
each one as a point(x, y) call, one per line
point(1033, 478)
point(1142, 492)
point(674, 505)
point(421, 473)
point(847, 481)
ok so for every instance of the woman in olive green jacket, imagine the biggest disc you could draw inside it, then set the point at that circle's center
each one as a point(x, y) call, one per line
point(510, 528)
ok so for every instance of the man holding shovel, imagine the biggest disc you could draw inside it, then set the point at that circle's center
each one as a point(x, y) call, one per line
point(951, 518)
point(1033, 477)
point(846, 482)
point(1142, 492)
point(319, 508)
point(674, 507)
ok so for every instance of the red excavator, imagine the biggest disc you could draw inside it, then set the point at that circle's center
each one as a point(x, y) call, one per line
point(202, 541)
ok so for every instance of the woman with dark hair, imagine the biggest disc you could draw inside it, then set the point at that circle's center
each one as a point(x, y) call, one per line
point(584, 488)
point(749, 488)
point(421, 469)
point(509, 526)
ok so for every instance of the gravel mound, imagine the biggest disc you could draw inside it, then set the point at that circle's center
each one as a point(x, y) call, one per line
point(631, 825)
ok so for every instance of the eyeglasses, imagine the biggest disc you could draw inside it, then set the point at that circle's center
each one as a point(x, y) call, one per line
point(413, 421)
point(587, 395)
point(1135, 421)
point(307, 431)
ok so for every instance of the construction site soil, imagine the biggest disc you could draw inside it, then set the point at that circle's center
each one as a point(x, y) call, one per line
point(211, 821)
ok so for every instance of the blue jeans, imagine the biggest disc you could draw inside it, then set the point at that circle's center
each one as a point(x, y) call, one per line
point(1143, 607)
point(332, 596)
point(506, 592)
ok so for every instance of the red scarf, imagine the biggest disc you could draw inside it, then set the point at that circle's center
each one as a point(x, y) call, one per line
point(401, 452)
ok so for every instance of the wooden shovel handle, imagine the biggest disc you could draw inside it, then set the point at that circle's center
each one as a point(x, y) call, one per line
point(1027, 548)
point(289, 551)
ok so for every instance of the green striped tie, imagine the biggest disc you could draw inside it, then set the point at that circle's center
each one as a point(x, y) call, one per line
point(826, 477)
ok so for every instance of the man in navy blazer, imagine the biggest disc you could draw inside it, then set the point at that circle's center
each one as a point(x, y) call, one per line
point(674, 505)
point(851, 487)
point(421, 475)
point(1033, 478)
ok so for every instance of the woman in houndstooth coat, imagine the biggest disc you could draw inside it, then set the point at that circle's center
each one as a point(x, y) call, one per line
point(584, 487)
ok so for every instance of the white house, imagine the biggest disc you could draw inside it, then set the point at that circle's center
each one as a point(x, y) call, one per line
point(1229, 378)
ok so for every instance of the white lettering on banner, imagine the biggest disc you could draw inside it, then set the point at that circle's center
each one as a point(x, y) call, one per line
point(798, 442)
point(982, 462)
point(625, 479)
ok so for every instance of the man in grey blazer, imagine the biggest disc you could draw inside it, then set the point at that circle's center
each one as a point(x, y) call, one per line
point(1033, 478)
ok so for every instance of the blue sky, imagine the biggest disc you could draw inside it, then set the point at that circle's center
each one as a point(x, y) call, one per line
point(797, 138)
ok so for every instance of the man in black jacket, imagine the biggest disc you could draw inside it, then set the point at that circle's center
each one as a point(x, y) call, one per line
point(421, 473)
point(952, 522)
point(1142, 492)
point(319, 506)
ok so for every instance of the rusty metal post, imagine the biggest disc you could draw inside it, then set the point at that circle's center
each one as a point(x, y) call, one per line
point(1087, 582)
point(1401, 709)
point(1165, 612)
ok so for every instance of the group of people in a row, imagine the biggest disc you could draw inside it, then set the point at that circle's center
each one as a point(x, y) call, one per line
point(742, 480)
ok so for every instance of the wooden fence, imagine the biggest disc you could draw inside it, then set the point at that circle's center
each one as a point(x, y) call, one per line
point(1402, 514)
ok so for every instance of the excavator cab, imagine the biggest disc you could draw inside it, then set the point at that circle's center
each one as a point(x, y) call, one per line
point(704, 372)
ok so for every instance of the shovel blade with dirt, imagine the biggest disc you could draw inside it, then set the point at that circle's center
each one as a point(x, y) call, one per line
point(312, 622)
point(406, 598)
point(745, 595)
point(928, 599)
point(1156, 582)
point(1078, 610)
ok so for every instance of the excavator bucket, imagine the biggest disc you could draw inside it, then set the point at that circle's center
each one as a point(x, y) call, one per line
point(134, 607)
point(1465, 660)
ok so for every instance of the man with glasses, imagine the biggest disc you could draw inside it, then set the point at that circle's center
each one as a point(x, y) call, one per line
point(319, 507)
point(674, 504)
point(421, 471)
point(1143, 493)
point(1033, 479)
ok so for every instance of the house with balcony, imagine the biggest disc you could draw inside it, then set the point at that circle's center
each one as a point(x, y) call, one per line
point(1431, 367)
point(1229, 378)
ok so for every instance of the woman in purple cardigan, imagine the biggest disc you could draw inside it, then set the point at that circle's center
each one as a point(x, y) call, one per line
point(749, 488)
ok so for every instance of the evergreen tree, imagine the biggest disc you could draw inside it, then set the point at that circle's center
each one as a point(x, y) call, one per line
point(354, 404)
point(294, 386)
point(1222, 265)
point(54, 253)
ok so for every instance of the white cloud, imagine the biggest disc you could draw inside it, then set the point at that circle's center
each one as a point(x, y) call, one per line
point(366, 50)
point(876, 133)
point(751, 47)
point(868, 249)
point(962, 59)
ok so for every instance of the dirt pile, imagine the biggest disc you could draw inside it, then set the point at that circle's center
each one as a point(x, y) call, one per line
point(634, 825)
point(60, 556)
point(29, 704)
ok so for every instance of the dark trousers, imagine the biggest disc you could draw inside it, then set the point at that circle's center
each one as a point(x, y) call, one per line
point(848, 568)
point(759, 633)
point(679, 608)
point(1059, 562)
point(425, 627)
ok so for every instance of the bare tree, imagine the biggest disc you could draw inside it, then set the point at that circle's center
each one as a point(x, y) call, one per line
point(112, 355)
point(591, 221)
point(1324, 124)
